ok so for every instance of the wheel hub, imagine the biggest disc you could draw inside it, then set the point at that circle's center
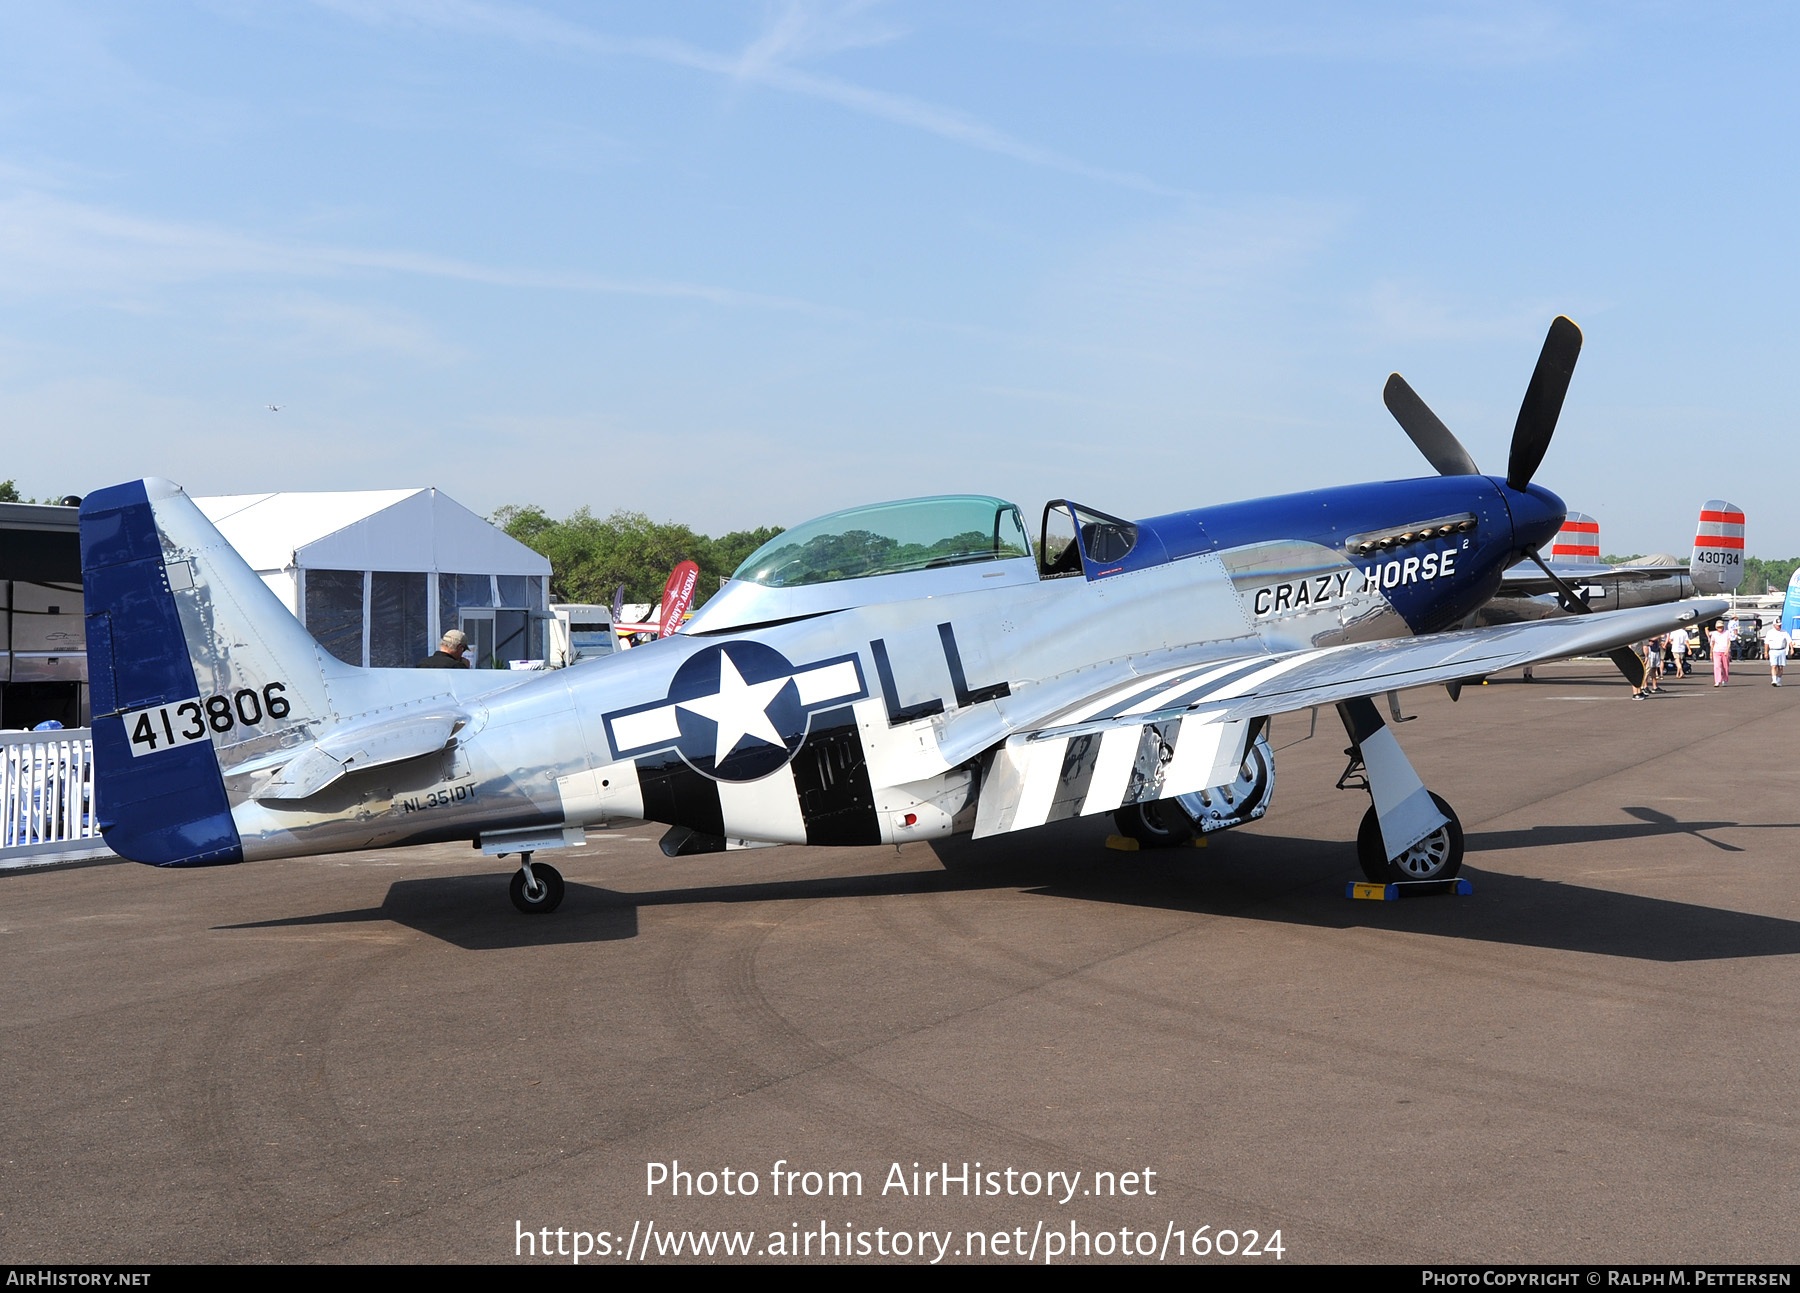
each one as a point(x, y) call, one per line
point(1426, 858)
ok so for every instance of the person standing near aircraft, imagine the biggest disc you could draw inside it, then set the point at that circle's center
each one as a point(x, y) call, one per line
point(1718, 642)
point(1652, 669)
point(1678, 653)
point(1775, 642)
point(451, 653)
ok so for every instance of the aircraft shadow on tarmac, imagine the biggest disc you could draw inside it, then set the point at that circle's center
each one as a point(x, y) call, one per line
point(1650, 823)
point(1301, 882)
point(473, 912)
point(1280, 879)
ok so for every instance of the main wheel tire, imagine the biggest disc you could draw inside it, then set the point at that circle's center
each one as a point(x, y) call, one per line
point(1242, 800)
point(1159, 824)
point(1438, 856)
point(549, 893)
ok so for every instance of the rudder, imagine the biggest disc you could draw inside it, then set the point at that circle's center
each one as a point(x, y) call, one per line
point(1717, 565)
point(192, 662)
point(1578, 542)
point(168, 810)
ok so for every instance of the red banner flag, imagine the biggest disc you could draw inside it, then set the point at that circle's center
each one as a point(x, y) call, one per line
point(678, 595)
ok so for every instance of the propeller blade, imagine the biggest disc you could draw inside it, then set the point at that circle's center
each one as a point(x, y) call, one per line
point(1435, 440)
point(1572, 602)
point(1543, 402)
point(1629, 662)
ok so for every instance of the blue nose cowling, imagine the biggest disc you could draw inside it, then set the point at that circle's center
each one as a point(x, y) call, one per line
point(1537, 515)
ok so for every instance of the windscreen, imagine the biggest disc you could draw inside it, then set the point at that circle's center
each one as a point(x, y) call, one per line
point(889, 538)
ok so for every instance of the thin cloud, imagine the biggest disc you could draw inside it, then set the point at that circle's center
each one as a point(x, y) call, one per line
point(1471, 33)
point(1397, 312)
point(800, 31)
point(1479, 36)
point(766, 61)
point(324, 324)
point(49, 244)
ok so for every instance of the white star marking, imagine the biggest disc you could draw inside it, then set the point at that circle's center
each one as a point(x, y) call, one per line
point(739, 708)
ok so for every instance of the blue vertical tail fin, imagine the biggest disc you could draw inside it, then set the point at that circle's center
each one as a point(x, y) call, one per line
point(192, 663)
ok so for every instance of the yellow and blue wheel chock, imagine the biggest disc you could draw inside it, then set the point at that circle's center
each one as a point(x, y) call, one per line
point(1407, 889)
point(1125, 844)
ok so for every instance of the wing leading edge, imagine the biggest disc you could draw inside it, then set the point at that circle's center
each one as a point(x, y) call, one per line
point(1526, 580)
point(1186, 730)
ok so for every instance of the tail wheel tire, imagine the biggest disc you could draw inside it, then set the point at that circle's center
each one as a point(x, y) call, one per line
point(1159, 824)
point(1438, 856)
point(547, 896)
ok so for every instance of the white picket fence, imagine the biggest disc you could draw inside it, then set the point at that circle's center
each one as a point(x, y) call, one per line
point(47, 798)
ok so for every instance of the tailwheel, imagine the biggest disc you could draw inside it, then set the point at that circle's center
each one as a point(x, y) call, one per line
point(536, 890)
point(1436, 857)
point(1159, 824)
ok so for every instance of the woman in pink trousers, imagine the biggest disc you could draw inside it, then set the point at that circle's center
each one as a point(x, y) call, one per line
point(1719, 643)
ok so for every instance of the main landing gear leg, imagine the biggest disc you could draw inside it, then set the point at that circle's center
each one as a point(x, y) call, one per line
point(536, 890)
point(1408, 832)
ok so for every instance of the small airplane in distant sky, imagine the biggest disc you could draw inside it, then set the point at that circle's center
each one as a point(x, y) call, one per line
point(883, 674)
point(273, 408)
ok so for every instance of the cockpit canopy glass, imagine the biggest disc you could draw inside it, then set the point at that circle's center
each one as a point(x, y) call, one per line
point(889, 538)
point(1103, 538)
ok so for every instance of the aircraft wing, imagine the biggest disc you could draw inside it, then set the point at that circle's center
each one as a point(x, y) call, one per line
point(1526, 580)
point(1186, 730)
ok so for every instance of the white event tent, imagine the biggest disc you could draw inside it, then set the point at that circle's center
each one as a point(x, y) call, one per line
point(377, 575)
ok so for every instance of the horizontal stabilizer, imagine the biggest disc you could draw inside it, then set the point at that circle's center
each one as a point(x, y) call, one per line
point(357, 746)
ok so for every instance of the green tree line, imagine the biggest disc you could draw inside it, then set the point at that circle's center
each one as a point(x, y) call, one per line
point(590, 556)
point(1771, 576)
point(9, 493)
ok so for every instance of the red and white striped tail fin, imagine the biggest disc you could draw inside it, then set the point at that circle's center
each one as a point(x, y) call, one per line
point(1578, 542)
point(1718, 562)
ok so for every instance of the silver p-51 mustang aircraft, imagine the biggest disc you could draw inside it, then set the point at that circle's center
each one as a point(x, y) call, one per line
point(883, 674)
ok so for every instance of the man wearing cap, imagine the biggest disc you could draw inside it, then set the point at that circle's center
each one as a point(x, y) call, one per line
point(1775, 645)
point(449, 655)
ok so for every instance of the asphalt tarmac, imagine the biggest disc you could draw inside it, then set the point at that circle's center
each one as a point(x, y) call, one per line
point(373, 1057)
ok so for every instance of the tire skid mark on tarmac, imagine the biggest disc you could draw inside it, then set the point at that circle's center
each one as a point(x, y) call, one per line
point(759, 1036)
point(1235, 1027)
point(872, 1104)
point(740, 989)
point(871, 1091)
point(1378, 1061)
point(869, 1107)
point(729, 1072)
point(970, 949)
point(249, 1094)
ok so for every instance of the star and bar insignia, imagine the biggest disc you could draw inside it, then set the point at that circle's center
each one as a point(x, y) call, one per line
point(736, 711)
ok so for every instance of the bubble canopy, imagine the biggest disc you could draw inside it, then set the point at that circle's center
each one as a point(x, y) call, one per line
point(888, 539)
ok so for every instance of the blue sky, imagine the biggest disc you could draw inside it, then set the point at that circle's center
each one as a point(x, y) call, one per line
point(739, 264)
